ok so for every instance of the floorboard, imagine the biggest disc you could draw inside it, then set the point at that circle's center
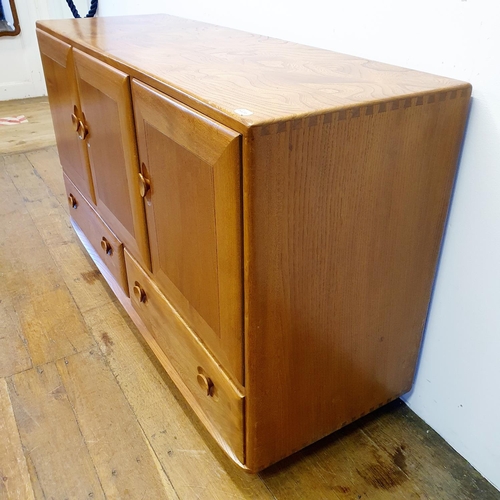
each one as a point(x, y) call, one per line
point(86, 411)
point(35, 134)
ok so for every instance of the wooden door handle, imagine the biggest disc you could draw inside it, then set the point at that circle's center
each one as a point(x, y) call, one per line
point(72, 201)
point(82, 130)
point(139, 293)
point(106, 246)
point(206, 384)
point(144, 185)
point(75, 121)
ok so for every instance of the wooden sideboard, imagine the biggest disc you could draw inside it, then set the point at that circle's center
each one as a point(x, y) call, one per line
point(269, 214)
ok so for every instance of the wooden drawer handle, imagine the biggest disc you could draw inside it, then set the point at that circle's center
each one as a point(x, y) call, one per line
point(144, 185)
point(206, 384)
point(106, 246)
point(139, 293)
point(72, 201)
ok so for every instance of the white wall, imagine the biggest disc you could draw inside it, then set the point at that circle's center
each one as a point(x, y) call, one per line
point(20, 67)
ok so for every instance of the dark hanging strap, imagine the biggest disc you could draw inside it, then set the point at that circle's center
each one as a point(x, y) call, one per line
point(74, 10)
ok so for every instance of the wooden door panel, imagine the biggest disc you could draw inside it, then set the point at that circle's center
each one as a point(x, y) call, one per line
point(57, 61)
point(193, 212)
point(107, 110)
point(187, 196)
point(106, 156)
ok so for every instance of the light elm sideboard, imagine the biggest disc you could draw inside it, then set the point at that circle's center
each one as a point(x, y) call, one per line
point(269, 214)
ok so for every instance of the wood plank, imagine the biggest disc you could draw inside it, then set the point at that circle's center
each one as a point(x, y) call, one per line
point(47, 165)
point(52, 325)
point(177, 437)
point(345, 465)
point(121, 456)
point(37, 133)
point(35, 482)
point(424, 456)
point(10, 199)
point(48, 316)
point(45, 210)
point(84, 281)
point(50, 435)
point(14, 476)
point(14, 354)
point(26, 266)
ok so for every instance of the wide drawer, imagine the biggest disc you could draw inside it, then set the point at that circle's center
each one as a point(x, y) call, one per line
point(212, 395)
point(105, 243)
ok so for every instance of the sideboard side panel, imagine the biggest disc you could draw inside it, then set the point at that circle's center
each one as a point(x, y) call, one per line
point(344, 215)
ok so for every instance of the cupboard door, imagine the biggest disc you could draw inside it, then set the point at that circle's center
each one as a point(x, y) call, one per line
point(57, 61)
point(109, 128)
point(190, 167)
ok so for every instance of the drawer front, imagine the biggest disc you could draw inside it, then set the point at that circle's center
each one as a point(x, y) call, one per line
point(216, 397)
point(105, 243)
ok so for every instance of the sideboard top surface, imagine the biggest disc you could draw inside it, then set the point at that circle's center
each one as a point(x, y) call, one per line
point(250, 78)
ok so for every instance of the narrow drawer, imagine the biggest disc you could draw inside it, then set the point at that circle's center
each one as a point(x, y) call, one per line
point(105, 243)
point(216, 399)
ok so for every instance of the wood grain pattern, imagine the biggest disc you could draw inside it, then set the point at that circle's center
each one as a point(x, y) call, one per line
point(107, 107)
point(344, 220)
point(50, 434)
point(57, 61)
point(121, 456)
point(404, 436)
point(218, 70)
point(193, 211)
point(31, 279)
point(345, 465)
point(46, 213)
point(44, 162)
point(52, 325)
point(14, 477)
point(14, 353)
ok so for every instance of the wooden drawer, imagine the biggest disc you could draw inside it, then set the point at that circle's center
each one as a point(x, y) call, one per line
point(105, 243)
point(213, 396)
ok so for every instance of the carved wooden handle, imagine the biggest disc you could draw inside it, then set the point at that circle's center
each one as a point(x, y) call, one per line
point(144, 185)
point(106, 246)
point(206, 384)
point(72, 201)
point(139, 293)
point(75, 121)
point(82, 130)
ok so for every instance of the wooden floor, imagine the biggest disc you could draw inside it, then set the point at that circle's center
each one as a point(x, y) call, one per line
point(37, 133)
point(87, 412)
